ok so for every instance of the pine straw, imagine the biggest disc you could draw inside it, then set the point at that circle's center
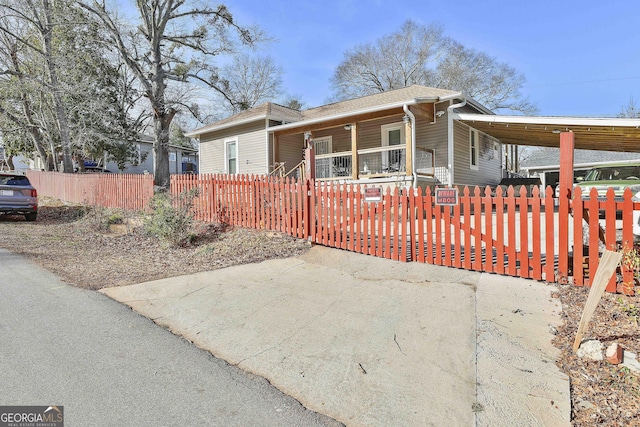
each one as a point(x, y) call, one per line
point(601, 393)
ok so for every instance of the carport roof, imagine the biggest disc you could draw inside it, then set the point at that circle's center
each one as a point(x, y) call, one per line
point(611, 134)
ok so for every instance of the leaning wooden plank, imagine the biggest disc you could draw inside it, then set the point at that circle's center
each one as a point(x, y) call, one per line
point(606, 268)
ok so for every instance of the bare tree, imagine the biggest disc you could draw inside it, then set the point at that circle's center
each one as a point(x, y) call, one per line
point(419, 54)
point(175, 41)
point(294, 101)
point(630, 110)
point(249, 81)
point(392, 62)
point(496, 85)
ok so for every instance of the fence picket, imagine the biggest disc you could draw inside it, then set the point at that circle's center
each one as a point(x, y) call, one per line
point(523, 205)
point(628, 239)
point(477, 229)
point(487, 265)
point(549, 224)
point(511, 232)
point(594, 230)
point(429, 216)
point(610, 231)
point(499, 243)
point(536, 260)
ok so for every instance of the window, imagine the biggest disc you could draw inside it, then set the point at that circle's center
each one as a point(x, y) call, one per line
point(473, 149)
point(393, 134)
point(324, 165)
point(322, 145)
point(231, 149)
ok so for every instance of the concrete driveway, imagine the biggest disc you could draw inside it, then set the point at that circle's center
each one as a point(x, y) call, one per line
point(374, 342)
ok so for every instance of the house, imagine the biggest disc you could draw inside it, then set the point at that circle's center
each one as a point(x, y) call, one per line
point(403, 137)
point(181, 159)
point(20, 163)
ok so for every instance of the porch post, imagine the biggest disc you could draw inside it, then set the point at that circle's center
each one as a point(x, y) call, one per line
point(408, 138)
point(567, 145)
point(309, 157)
point(276, 148)
point(354, 151)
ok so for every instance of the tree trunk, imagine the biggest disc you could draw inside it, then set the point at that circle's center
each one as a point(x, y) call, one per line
point(161, 173)
point(61, 115)
point(162, 117)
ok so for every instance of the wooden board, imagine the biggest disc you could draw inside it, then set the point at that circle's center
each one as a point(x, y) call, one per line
point(606, 268)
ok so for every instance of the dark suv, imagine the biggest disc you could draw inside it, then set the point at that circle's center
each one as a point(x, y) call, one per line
point(17, 196)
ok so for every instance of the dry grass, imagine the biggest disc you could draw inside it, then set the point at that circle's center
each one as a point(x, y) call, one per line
point(74, 243)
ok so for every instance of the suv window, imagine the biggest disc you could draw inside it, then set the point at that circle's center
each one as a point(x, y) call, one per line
point(613, 173)
point(14, 180)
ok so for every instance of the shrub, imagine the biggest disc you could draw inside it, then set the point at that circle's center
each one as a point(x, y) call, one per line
point(101, 218)
point(171, 218)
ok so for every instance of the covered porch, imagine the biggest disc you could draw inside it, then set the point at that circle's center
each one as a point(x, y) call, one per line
point(375, 146)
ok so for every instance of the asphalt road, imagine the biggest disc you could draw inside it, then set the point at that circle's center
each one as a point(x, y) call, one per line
point(108, 366)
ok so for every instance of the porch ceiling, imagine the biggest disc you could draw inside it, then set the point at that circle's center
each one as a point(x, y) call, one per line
point(610, 134)
point(301, 127)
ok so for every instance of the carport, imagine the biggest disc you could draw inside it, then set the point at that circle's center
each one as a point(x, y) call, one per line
point(567, 133)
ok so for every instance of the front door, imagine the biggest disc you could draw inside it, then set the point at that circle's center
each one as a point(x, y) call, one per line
point(392, 135)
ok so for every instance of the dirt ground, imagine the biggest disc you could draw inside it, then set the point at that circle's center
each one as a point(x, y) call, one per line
point(74, 242)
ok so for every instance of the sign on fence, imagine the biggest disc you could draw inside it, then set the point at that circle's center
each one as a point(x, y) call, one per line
point(446, 196)
point(373, 194)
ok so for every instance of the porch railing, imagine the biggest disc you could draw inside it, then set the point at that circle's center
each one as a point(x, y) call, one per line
point(381, 161)
point(333, 165)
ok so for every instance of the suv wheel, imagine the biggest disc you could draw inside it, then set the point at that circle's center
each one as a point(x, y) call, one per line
point(31, 216)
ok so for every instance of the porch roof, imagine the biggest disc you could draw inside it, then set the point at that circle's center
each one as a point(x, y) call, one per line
point(610, 134)
point(371, 106)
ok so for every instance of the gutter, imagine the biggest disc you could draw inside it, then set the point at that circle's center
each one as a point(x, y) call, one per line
point(346, 115)
point(413, 144)
point(450, 151)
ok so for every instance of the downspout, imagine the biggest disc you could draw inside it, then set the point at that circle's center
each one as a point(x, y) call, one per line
point(450, 151)
point(408, 112)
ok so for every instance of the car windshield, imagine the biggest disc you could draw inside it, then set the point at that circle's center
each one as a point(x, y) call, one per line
point(613, 173)
point(13, 180)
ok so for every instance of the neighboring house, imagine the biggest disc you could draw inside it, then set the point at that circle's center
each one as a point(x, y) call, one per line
point(181, 159)
point(405, 136)
point(20, 163)
point(545, 163)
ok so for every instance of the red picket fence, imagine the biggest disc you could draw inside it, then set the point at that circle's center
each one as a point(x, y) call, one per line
point(247, 201)
point(521, 235)
point(131, 192)
point(512, 234)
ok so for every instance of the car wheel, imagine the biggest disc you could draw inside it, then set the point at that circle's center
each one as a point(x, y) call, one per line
point(31, 216)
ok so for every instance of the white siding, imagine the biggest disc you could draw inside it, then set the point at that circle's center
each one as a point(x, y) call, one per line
point(211, 156)
point(251, 153)
point(252, 140)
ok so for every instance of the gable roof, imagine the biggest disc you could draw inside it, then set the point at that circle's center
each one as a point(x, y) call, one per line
point(268, 110)
point(389, 99)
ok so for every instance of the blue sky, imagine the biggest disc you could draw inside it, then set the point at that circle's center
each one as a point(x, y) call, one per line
point(580, 58)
